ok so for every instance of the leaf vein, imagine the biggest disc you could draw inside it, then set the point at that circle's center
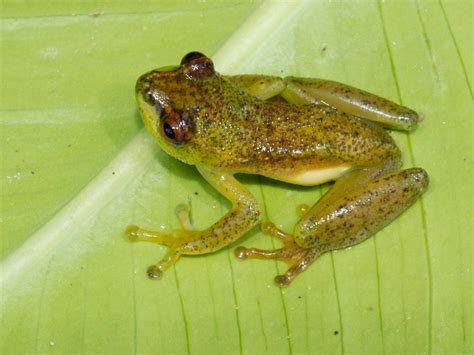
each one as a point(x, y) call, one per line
point(283, 303)
point(427, 42)
point(458, 52)
point(421, 200)
point(236, 303)
point(379, 298)
point(338, 301)
point(183, 311)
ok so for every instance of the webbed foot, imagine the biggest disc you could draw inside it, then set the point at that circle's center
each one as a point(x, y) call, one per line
point(175, 240)
point(297, 257)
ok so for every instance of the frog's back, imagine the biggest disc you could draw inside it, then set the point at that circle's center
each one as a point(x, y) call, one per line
point(302, 144)
point(311, 144)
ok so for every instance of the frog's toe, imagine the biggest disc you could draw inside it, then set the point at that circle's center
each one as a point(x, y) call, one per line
point(134, 233)
point(282, 280)
point(131, 233)
point(244, 253)
point(154, 272)
point(241, 253)
point(282, 254)
point(302, 259)
point(269, 228)
point(298, 258)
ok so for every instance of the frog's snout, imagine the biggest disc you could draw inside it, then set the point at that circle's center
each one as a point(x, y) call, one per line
point(147, 99)
point(142, 86)
point(145, 93)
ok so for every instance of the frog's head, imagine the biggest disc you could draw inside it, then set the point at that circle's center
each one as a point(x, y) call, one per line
point(168, 100)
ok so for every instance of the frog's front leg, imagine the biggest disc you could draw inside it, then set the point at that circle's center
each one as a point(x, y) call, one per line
point(243, 215)
point(347, 215)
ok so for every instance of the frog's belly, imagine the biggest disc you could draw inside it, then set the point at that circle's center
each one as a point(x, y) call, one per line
point(312, 176)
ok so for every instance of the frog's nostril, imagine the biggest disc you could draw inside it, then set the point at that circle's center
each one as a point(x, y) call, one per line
point(143, 83)
point(143, 89)
point(150, 96)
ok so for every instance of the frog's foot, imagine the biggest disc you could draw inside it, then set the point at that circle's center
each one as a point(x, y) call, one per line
point(155, 271)
point(297, 257)
point(172, 240)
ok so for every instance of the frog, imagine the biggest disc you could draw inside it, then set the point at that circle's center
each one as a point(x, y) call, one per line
point(301, 131)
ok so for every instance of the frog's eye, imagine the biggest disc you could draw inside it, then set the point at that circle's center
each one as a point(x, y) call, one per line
point(176, 127)
point(192, 56)
point(196, 65)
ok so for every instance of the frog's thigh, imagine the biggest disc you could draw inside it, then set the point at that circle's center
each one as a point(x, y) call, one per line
point(348, 219)
point(351, 181)
point(350, 100)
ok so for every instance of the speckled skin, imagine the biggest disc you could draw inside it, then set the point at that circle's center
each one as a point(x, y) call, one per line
point(357, 102)
point(303, 131)
point(236, 132)
point(362, 211)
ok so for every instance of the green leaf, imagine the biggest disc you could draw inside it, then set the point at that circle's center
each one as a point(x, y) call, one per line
point(77, 167)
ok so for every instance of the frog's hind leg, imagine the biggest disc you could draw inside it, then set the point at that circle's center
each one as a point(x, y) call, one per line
point(296, 257)
point(343, 97)
point(350, 100)
point(358, 206)
point(287, 253)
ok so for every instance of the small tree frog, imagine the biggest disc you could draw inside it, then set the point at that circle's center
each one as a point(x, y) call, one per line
point(297, 130)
